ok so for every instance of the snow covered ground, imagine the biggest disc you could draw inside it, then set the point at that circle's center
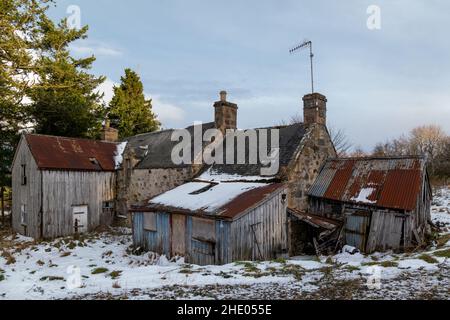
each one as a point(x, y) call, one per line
point(103, 266)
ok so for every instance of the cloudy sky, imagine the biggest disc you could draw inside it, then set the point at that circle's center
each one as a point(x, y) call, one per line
point(379, 83)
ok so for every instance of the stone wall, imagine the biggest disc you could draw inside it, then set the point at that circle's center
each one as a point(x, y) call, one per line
point(144, 184)
point(301, 174)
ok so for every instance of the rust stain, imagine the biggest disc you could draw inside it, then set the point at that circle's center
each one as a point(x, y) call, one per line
point(340, 180)
point(248, 199)
point(396, 182)
point(60, 153)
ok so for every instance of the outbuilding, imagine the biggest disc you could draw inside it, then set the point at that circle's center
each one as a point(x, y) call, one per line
point(63, 186)
point(215, 222)
point(383, 203)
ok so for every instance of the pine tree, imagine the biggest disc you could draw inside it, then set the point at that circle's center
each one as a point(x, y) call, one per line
point(129, 111)
point(19, 24)
point(65, 100)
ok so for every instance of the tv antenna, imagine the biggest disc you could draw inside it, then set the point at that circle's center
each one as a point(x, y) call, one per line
point(306, 44)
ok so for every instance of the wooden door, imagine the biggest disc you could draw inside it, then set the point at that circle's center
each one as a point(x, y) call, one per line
point(178, 235)
point(357, 230)
point(80, 219)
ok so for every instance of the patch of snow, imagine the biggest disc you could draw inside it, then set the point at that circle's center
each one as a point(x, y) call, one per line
point(364, 195)
point(212, 175)
point(118, 154)
point(415, 264)
point(214, 197)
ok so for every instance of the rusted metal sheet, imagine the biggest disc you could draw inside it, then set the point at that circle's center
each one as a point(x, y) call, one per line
point(60, 153)
point(248, 199)
point(314, 220)
point(384, 182)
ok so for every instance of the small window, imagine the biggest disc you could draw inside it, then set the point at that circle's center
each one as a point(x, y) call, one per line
point(150, 221)
point(23, 215)
point(23, 175)
point(108, 204)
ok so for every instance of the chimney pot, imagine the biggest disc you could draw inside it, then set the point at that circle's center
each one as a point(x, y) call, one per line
point(223, 96)
point(108, 133)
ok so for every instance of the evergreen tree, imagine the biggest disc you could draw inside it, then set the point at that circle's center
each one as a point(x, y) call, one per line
point(65, 100)
point(19, 24)
point(129, 111)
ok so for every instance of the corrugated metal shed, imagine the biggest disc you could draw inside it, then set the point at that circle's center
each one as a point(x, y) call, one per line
point(60, 153)
point(393, 183)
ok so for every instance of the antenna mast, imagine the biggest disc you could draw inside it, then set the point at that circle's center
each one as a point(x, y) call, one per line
point(306, 44)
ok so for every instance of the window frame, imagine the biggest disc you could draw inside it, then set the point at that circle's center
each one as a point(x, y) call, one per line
point(23, 174)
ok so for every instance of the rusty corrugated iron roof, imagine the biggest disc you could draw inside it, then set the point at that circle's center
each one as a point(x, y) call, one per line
point(60, 153)
point(384, 182)
point(248, 199)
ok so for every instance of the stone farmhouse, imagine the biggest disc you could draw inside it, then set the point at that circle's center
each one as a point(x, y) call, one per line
point(210, 213)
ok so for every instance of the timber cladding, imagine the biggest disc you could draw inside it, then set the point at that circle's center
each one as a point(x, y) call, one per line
point(44, 202)
point(257, 233)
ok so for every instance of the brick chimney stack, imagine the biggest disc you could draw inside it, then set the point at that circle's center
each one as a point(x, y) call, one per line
point(225, 113)
point(109, 134)
point(315, 109)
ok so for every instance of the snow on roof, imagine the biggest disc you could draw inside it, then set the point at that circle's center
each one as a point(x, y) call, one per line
point(227, 198)
point(364, 195)
point(118, 154)
point(213, 175)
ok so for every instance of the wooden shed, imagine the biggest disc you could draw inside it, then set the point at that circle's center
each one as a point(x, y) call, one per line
point(215, 222)
point(384, 203)
point(62, 185)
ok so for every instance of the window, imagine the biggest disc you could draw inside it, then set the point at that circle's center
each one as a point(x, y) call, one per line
point(23, 175)
point(203, 229)
point(150, 221)
point(108, 204)
point(23, 215)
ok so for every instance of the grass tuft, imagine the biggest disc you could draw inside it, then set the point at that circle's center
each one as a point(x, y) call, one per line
point(427, 258)
point(442, 253)
point(115, 274)
point(99, 270)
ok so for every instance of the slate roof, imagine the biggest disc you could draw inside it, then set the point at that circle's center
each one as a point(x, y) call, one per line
point(61, 153)
point(291, 139)
point(393, 182)
point(154, 149)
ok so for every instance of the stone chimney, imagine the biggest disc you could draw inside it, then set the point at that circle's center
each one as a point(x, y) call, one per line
point(225, 113)
point(315, 109)
point(109, 134)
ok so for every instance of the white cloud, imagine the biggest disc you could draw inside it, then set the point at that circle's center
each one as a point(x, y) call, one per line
point(85, 47)
point(168, 114)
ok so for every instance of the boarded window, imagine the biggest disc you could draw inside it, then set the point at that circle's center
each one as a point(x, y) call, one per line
point(23, 215)
point(150, 221)
point(203, 229)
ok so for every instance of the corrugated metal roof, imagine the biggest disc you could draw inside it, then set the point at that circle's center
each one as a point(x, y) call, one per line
point(248, 199)
point(60, 153)
point(384, 182)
